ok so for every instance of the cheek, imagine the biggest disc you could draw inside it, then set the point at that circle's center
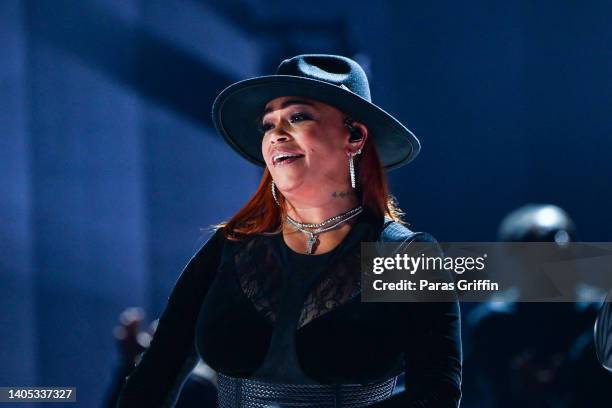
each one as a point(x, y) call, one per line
point(323, 144)
point(326, 155)
point(331, 165)
point(264, 151)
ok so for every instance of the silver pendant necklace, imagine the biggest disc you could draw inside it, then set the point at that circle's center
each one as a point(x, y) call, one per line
point(323, 226)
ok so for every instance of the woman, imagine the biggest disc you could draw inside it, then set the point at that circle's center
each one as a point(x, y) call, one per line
point(272, 300)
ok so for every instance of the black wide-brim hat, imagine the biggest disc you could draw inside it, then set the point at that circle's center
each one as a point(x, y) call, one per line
point(332, 79)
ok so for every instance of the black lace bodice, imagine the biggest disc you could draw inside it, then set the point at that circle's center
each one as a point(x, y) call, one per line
point(264, 268)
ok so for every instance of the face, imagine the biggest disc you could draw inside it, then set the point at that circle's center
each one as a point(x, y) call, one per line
point(305, 146)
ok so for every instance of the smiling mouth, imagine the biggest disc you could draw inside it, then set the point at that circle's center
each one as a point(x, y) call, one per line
point(284, 159)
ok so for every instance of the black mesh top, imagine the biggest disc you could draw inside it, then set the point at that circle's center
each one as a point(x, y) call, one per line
point(257, 309)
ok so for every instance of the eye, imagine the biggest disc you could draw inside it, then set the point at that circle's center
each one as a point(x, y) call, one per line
point(265, 127)
point(295, 117)
point(299, 117)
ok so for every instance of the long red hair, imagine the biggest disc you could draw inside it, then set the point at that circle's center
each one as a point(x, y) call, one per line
point(261, 214)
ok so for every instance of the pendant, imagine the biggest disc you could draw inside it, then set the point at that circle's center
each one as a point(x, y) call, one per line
point(312, 240)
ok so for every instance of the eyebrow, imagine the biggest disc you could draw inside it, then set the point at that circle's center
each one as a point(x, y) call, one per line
point(289, 102)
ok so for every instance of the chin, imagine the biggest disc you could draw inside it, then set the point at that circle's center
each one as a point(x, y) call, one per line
point(294, 182)
point(287, 186)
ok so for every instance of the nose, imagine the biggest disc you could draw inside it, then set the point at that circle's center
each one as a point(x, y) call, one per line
point(279, 135)
point(278, 138)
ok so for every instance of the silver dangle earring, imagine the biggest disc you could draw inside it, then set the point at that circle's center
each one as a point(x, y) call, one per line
point(352, 168)
point(273, 187)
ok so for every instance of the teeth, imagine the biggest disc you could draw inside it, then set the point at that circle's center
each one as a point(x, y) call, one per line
point(282, 156)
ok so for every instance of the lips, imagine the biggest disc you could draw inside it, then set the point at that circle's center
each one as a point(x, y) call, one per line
point(287, 161)
point(281, 158)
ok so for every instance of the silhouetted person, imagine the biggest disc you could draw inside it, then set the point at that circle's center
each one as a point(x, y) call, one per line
point(533, 354)
point(603, 334)
point(199, 389)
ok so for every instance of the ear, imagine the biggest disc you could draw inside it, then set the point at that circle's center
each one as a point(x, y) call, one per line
point(358, 137)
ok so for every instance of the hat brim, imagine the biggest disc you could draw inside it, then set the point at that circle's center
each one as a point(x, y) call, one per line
point(238, 108)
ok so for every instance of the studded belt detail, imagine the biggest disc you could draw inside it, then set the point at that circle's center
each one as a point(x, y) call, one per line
point(248, 393)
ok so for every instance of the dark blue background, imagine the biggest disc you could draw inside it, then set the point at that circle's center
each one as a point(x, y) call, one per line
point(109, 165)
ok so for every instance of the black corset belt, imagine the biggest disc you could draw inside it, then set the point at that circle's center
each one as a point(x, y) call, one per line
point(248, 393)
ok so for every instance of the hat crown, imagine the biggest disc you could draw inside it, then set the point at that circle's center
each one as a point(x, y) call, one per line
point(333, 69)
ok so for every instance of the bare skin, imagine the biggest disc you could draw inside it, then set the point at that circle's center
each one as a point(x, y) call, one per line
point(317, 184)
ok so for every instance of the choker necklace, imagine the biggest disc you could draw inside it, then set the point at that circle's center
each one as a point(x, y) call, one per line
point(323, 226)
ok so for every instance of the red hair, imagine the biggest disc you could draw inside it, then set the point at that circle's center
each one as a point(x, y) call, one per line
point(261, 214)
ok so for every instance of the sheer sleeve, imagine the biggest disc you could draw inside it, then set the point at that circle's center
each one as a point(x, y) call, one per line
point(431, 334)
point(158, 377)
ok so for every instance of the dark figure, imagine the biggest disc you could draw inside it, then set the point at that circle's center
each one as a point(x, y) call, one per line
point(603, 334)
point(200, 387)
point(272, 301)
point(533, 354)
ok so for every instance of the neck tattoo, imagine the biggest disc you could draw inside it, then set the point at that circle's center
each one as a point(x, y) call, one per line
point(341, 194)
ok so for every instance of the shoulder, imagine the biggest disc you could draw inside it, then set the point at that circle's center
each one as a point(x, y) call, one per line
point(216, 237)
point(394, 231)
point(398, 233)
point(212, 245)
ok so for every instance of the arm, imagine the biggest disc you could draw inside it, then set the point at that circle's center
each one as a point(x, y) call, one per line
point(603, 334)
point(157, 378)
point(433, 358)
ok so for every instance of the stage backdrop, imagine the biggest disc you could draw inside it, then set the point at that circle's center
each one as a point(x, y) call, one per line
point(110, 167)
